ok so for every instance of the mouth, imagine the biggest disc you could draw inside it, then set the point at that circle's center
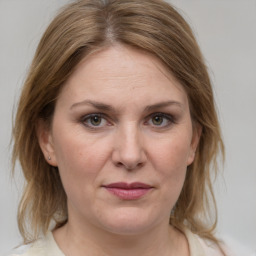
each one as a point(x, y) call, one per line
point(128, 191)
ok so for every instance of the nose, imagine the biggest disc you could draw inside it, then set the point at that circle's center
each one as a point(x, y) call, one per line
point(129, 151)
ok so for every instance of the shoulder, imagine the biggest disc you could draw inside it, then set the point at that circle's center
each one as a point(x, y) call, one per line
point(203, 247)
point(35, 248)
point(213, 250)
point(21, 250)
point(45, 246)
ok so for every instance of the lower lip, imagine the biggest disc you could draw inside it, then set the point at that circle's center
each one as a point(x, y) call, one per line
point(129, 194)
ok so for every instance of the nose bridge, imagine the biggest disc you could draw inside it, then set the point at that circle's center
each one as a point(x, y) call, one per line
point(129, 151)
point(131, 138)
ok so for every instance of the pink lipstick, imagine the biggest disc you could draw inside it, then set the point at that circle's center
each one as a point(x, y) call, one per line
point(127, 191)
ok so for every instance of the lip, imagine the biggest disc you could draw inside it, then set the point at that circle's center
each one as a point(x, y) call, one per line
point(128, 191)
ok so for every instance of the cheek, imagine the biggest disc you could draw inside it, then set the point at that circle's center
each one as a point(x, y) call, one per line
point(172, 155)
point(170, 160)
point(80, 159)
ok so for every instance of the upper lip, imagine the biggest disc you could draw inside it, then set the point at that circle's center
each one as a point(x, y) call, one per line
point(124, 185)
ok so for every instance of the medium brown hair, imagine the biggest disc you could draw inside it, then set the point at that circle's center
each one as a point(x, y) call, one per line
point(79, 29)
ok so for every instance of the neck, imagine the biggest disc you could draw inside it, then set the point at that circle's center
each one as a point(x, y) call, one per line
point(163, 240)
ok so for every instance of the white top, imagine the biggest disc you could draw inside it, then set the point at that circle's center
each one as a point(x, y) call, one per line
point(48, 247)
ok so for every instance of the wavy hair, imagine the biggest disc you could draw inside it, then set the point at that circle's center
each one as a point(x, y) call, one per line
point(86, 26)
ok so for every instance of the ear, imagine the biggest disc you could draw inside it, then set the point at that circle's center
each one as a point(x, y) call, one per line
point(197, 131)
point(45, 140)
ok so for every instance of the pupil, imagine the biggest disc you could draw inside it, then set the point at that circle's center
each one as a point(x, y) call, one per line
point(157, 120)
point(96, 120)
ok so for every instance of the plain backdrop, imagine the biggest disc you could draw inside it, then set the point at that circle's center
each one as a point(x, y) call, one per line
point(226, 32)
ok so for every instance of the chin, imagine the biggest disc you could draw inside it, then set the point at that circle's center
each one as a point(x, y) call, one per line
point(128, 222)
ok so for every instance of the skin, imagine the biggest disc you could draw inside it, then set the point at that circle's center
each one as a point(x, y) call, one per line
point(131, 142)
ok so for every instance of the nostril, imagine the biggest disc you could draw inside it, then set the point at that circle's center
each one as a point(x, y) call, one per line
point(119, 164)
point(129, 167)
point(129, 153)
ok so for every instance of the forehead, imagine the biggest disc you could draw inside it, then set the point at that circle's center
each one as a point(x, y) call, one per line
point(129, 60)
point(125, 71)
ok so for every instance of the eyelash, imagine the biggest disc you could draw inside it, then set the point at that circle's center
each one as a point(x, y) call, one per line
point(90, 116)
point(170, 119)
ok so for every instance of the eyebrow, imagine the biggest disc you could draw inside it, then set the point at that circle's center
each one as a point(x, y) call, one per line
point(106, 107)
point(162, 105)
point(96, 104)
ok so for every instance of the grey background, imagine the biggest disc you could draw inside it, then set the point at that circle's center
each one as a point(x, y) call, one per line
point(226, 31)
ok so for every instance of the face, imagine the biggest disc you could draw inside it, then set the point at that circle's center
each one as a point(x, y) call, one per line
point(122, 139)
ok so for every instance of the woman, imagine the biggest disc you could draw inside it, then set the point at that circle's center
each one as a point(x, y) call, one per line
point(114, 136)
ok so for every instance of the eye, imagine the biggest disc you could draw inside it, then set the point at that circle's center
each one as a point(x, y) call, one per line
point(161, 120)
point(94, 121)
point(157, 120)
